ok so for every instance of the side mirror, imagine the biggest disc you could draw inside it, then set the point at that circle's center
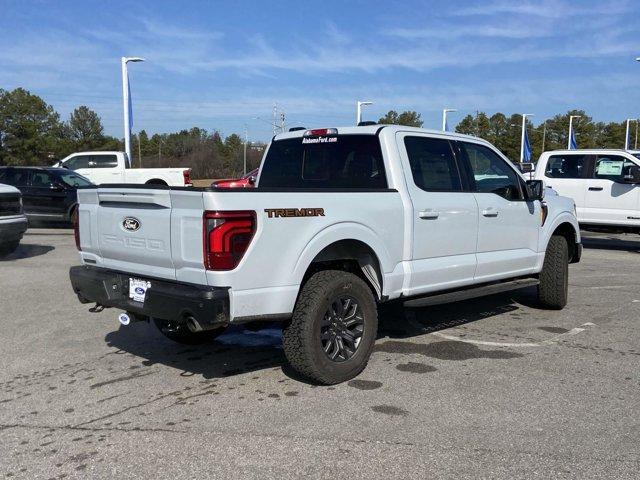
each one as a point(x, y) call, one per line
point(632, 175)
point(535, 190)
point(252, 180)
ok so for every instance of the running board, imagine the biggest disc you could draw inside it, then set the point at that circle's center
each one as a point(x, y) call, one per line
point(473, 292)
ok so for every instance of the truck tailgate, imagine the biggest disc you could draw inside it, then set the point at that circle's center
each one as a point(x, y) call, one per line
point(143, 230)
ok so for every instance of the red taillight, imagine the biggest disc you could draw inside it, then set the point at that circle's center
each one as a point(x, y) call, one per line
point(75, 220)
point(187, 177)
point(227, 236)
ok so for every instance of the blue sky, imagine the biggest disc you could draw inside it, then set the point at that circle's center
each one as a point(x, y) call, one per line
point(217, 65)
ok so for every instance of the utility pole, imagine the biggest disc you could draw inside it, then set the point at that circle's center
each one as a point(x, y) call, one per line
point(635, 145)
point(544, 134)
point(282, 122)
point(477, 123)
point(275, 117)
point(139, 151)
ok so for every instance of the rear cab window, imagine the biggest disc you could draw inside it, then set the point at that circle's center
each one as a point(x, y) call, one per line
point(325, 162)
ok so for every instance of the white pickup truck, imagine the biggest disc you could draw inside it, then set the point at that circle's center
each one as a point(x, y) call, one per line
point(604, 184)
point(113, 167)
point(342, 220)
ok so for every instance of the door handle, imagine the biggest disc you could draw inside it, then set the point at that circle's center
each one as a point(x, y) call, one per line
point(490, 212)
point(595, 189)
point(429, 214)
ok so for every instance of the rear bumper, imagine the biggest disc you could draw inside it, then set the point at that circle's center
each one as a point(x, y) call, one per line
point(165, 299)
point(12, 228)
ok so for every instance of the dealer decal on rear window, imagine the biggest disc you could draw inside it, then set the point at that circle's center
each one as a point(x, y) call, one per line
point(294, 212)
point(319, 140)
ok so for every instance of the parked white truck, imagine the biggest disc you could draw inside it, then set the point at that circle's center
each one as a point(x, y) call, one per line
point(604, 184)
point(113, 167)
point(342, 220)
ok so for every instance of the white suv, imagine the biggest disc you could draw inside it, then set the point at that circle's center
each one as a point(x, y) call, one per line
point(605, 185)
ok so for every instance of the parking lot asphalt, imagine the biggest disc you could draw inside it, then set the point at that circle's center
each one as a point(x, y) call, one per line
point(487, 388)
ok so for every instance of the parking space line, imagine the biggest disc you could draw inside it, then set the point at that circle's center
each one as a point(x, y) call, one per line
point(551, 341)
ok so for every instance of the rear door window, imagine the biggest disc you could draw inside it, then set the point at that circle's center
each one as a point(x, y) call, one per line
point(433, 165)
point(78, 162)
point(103, 161)
point(340, 162)
point(566, 166)
point(41, 179)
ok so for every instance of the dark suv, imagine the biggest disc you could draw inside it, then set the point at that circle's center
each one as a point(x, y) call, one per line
point(48, 194)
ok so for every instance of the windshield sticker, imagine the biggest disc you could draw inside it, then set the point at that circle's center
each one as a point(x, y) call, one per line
point(320, 140)
point(610, 167)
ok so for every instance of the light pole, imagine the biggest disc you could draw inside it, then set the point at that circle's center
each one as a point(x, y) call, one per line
point(544, 135)
point(359, 106)
point(626, 137)
point(126, 104)
point(444, 117)
point(246, 136)
point(524, 126)
point(571, 117)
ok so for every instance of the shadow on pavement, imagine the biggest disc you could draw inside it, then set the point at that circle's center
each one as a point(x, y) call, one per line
point(26, 250)
point(613, 243)
point(237, 351)
point(241, 351)
point(396, 322)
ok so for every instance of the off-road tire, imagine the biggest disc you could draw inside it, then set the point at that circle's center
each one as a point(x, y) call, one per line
point(554, 277)
point(301, 335)
point(182, 334)
point(8, 248)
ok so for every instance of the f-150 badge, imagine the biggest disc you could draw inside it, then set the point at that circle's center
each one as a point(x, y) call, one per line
point(294, 212)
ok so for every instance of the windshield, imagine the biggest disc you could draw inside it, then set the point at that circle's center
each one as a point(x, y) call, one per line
point(74, 180)
point(338, 161)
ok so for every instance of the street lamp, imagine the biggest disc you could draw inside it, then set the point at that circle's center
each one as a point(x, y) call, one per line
point(126, 104)
point(524, 126)
point(444, 117)
point(246, 139)
point(626, 137)
point(571, 117)
point(359, 110)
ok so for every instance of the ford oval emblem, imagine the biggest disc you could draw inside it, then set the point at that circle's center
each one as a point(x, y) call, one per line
point(131, 224)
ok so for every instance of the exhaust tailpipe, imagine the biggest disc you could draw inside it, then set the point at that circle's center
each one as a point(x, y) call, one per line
point(193, 325)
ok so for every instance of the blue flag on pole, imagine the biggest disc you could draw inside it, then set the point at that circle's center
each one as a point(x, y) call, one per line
point(526, 152)
point(572, 143)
